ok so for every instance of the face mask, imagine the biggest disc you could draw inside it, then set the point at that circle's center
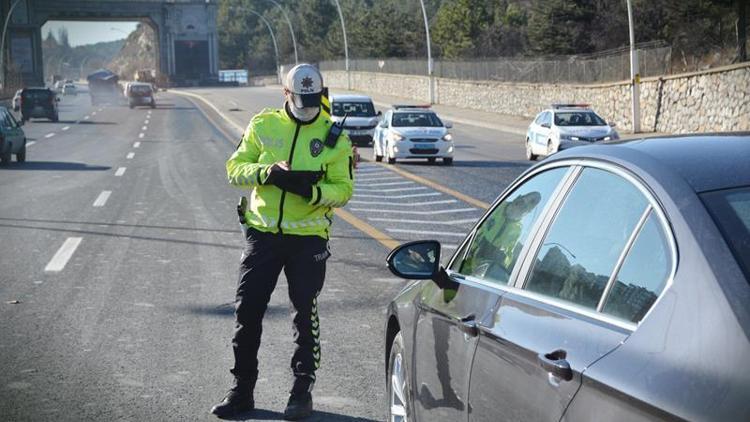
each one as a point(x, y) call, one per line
point(299, 111)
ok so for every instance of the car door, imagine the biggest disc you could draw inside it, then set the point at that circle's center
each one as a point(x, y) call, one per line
point(549, 326)
point(9, 129)
point(16, 132)
point(543, 133)
point(446, 333)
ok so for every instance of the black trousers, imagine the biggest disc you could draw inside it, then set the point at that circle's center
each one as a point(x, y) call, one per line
point(303, 259)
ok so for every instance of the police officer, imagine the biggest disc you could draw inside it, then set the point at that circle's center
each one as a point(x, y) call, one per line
point(296, 174)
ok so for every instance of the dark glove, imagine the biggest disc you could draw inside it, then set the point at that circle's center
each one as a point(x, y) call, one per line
point(301, 188)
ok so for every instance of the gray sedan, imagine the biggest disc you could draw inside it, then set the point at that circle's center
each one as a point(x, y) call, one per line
point(606, 283)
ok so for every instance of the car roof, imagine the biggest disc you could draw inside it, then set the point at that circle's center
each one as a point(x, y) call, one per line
point(36, 88)
point(413, 110)
point(707, 162)
point(351, 97)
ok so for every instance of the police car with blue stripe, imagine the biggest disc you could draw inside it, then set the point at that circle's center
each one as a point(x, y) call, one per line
point(411, 131)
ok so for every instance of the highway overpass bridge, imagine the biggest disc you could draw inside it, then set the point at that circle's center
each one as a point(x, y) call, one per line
point(185, 29)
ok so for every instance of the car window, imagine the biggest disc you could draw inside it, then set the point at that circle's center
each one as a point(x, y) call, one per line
point(730, 210)
point(586, 238)
point(578, 118)
point(546, 118)
point(353, 109)
point(539, 119)
point(5, 119)
point(416, 119)
point(499, 240)
point(643, 274)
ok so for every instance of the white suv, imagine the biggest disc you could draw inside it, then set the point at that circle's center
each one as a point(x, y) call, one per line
point(413, 132)
point(361, 118)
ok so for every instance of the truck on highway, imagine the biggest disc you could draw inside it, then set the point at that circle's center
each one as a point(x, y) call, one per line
point(103, 87)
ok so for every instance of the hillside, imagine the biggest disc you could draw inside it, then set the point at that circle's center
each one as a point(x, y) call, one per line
point(138, 52)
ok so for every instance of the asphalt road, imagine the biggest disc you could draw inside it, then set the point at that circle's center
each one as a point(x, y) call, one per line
point(119, 250)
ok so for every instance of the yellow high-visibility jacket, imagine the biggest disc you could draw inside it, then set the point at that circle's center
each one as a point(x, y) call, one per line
point(273, 136)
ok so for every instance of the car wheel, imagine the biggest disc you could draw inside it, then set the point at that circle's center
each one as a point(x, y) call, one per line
point(153, 105)
point(21, 155)
point(448, 161)
point(5, 156)
point(529, 153)
point(399, 391)
point(431, 160)
point(550, 149)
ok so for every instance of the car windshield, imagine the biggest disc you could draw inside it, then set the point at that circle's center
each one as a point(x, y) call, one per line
point(37, 94)
point(730, 210)
point(578, 118)
point(416, 119)
point(353, 109)
point(141, 89)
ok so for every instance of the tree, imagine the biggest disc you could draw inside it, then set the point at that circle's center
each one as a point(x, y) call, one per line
point(559, 27)
point(459, 25)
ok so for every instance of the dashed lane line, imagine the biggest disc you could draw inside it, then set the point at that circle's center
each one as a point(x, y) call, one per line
point(49, 135)
point(404, 204)
point(411, 195)
point(427, 232)
point(136, 144)
point(406, 182)
point(93, 113)
point(141, 135)
point(86, 117)
point(63, 255)
point(434, 212)
point(101, 200)
point(144, 128)
point(358, 189)
point(28, 144)
point(145, 122)
point(65, 128)
point(130, 155)
point(431, 222)
point(378, 179)
point(120, 171)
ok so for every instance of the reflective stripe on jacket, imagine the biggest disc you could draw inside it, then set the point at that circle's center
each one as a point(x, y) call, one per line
point(274, 136)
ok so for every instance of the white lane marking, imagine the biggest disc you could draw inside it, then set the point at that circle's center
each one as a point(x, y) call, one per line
point(130, 155)
point(378, 179)
point(49, 135)
point(389, 190)
point(408, 195)
point(145, 122)
point(427, 232)
point(86, 117)
point(368, 185)
point(66, 128)
point(375, 172)
point(93, 113)
point(413, 212)
point(442, 223)
point(63, 255)
point(28, 144)
point(140, 135)
point(120, 171)
point(144, 128)
point(100, 109)
point(405, 204)
point(102, 198)
point(136, 144)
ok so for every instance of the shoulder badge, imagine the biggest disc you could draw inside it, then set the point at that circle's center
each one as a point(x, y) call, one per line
point(316, 147)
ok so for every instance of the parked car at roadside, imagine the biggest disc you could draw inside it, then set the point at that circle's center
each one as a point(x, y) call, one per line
point(412, 131)
point(361, 118)
point(12, 138)
point(608, 282)
point(17, 101)
point(564, 126)
point(39, 102)
point(69, 89)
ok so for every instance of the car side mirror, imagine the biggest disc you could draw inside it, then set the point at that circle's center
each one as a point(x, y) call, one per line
point(547, 125)
point(448, 125)
point(612, 124)
point(379, 113)
point(57, 99)
point(418, 260)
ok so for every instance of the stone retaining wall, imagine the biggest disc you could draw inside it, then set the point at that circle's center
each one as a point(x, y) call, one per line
point(714, 100)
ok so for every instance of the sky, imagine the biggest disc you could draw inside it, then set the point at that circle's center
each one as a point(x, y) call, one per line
point(80, 33)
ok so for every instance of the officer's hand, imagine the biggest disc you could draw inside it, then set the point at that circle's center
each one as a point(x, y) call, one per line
point(277, 172)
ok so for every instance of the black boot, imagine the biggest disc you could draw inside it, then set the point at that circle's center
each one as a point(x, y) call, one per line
point(237, 401)
point(300, 403)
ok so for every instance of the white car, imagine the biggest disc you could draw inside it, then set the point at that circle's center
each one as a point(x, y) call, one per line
point(361, 118)
point(412, 132)
point(17, 101)
point(564, 126)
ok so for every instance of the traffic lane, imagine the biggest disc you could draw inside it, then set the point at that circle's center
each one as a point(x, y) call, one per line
point(60, 182)
point(71, 110)
point(189, 276)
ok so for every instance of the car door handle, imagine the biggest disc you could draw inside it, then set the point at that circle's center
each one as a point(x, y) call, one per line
point(468, 325)
point(555, 364)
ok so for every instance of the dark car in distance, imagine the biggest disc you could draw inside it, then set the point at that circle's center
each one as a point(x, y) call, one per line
point(39, 102)
point(608, 282)
point(140, 94)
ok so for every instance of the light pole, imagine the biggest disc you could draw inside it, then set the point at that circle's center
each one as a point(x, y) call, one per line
point(635, 77)
point(291, 30)
point(346, 47)
point(273, 38)
point(83, 62)
point(2, 43)
point(429, 54)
